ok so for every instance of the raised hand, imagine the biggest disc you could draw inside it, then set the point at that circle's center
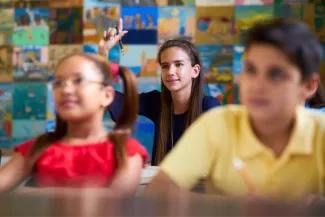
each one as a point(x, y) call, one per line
point(111, 37)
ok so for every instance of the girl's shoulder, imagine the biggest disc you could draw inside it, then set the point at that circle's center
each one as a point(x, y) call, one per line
point(133, 147)
point(24, 147)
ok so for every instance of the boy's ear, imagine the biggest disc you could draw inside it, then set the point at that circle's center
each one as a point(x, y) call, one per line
point(310, 86)
point(196, 70)
point(108, 96)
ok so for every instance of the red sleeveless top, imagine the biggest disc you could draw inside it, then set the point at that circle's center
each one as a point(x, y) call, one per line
point(91, 165)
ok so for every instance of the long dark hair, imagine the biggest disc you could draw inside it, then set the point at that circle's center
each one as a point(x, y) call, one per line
point(124, 124)
point(195, 104)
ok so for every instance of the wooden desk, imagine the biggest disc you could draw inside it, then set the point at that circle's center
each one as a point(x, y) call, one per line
point(100, 205)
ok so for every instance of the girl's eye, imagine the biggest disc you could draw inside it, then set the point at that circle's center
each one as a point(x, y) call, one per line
point(57, 83)
point(164, 66)
point(78, 81)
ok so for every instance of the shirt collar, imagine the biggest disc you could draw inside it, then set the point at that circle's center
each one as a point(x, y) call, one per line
point(300, 141)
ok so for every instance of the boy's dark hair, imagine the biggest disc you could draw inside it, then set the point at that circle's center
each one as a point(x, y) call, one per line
point(293, 38)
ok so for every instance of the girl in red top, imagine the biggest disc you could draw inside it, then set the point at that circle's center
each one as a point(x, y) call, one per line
point(80, 153)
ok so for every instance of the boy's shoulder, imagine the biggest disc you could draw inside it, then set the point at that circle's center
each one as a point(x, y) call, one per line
point(314, 115)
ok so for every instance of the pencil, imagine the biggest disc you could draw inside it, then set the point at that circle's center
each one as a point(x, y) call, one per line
point(242, 170)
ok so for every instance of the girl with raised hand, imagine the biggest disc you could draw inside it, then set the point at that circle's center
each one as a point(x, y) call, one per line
point(181, 99)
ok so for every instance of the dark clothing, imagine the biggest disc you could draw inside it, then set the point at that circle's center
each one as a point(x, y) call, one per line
point(149, 106)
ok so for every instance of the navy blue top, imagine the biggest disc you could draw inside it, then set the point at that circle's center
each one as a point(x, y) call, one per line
point(149, 106)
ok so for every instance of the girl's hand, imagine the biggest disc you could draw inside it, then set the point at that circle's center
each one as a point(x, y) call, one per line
point(110, 38)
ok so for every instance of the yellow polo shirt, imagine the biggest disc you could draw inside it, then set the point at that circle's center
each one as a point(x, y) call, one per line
point(210, 146)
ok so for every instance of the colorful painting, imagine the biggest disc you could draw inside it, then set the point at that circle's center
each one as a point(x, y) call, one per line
point(140, 21)
point(247, 16)
point(222, 92)
point(30, 63)
point(57, 52)
point(5, 113)
point(217, 62)
point(65, 3)
point(31, 26)
point(98, 16)
point(29, 101)
point(5, 63)
point(215, 25)
point(214, 2)
point(141, 59)
point(182, 19)
point(66, 26)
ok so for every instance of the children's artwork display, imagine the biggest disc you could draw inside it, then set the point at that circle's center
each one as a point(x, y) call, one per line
point(66, 26)
point(182, 19)
point(31, 26)
point(36, 34)
point(215, 25)
point(141, 59)
point(29, 101)
point(217, 62)
point(30, 63)
point(98, 16)
point(141, 23)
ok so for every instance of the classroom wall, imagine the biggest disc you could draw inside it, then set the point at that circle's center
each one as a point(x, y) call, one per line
point(34, 35)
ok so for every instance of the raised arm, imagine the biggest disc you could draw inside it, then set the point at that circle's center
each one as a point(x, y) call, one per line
point(111, 38)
